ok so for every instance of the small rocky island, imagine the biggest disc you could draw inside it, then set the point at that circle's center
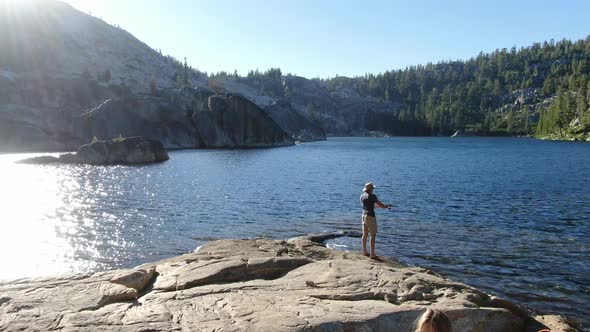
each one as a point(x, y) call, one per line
point(131, 150)
point(258, 285)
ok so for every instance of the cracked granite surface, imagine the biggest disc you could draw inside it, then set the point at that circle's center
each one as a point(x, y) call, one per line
point(255, 285)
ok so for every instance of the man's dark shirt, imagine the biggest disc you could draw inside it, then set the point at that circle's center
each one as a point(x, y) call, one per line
point(368, 201)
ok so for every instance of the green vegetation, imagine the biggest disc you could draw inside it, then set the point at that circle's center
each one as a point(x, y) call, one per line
point(269, 82)
point(506, 92)
point(215, 85)
point(474, 93)
point(568, 117)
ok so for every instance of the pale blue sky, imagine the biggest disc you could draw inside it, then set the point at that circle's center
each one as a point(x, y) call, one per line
point(328, 37)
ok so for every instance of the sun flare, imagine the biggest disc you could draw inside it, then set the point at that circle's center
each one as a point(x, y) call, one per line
point(30, 198)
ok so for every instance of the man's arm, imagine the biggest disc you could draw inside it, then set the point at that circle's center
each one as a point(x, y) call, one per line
point(381, 205)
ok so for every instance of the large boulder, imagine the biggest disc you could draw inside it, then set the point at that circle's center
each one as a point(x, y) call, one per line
point(216, 103)
point(255, 285)
point(232, 121)
point(200, 97)
point(132, 150)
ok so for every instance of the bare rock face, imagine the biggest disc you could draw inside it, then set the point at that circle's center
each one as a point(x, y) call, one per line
point(295, 124)
point(155, 118)
point(253, 285)
point(341, 110)
point(233, 121)
point(76, 77)
point(72, 43)
point(81, 109)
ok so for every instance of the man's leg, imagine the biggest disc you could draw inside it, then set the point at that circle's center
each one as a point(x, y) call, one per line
point(373, 245)
point(364, 238)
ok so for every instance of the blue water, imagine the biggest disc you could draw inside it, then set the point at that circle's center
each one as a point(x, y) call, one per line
point(509, 216)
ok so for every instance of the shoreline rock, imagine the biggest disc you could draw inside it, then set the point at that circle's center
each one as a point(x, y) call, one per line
point(131, 150)
point(257, 285)
point(565, 138)
point(463, 133)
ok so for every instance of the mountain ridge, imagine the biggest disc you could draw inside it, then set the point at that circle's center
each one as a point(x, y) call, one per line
point(58, 62)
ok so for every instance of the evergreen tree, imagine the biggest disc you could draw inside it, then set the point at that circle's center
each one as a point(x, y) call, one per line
point(526, 117)
point(185, 75)
point(510, 122)
point(439, 97)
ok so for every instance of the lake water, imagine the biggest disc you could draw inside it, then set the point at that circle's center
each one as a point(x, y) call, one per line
point(510, 216)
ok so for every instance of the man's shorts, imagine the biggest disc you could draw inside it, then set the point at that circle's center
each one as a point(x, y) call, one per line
point(371, 223)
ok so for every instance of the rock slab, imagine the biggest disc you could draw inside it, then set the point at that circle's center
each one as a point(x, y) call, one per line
point(253, 285)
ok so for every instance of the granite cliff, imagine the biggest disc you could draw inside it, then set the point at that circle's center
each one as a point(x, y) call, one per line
point(294, 123)
point(58, 63)
point(67, 78)
point(216, 121)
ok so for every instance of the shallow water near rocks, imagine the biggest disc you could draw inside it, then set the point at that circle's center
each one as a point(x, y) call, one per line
point(509, 216)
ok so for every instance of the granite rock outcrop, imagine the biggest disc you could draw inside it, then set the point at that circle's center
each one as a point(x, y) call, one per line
point(130, 150)
point(255, 285)
point(233, 121)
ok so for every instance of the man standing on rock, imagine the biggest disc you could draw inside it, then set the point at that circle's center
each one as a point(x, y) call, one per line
point(368, 201)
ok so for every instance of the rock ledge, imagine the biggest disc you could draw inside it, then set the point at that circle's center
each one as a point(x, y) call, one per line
point(256, 285)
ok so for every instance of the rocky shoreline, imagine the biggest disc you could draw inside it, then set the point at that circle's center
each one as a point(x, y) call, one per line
point(566, 138)
point(258, 285)
point(130, 151)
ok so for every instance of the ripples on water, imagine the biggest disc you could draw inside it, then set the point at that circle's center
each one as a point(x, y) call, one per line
point(510, 216)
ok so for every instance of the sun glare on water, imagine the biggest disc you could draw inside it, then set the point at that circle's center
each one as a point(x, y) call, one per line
point(33, 234)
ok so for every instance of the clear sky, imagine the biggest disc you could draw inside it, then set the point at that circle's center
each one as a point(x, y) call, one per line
point(324, 38)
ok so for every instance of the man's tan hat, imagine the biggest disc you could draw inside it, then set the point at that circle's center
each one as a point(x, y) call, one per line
point(369, 186)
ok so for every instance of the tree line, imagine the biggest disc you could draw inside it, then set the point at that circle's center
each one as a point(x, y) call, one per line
point(536, 89)
point(498, 92)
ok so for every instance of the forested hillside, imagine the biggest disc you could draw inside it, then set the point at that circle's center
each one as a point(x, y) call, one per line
point(501, 91)
point(52, 74)
point(538, 89)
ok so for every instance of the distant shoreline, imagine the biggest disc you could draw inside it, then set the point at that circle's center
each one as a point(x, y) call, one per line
point(543, 138)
